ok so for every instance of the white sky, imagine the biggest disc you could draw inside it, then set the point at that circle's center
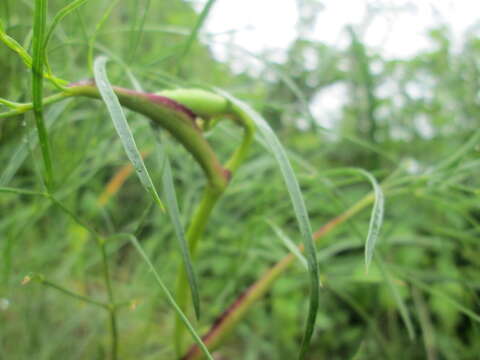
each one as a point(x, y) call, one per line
point(271, 25)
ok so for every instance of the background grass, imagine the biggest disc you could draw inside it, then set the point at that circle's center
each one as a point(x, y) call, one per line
point(420, 298)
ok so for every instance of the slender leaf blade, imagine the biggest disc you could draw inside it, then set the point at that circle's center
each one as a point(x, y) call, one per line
point(402, 308)
point(174, 213)
point(170, 298)
point(198, 25)
point(299, 207)
point(123, 130)
point(289, 244)
point(376, 217)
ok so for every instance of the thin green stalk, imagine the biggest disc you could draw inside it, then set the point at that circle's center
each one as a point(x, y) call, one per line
point(21, 108)
point(111, 300)
point(13, 45)
point(111, 306)
point(75, 218)
point(171, 300)
point(9, 104)
point(194, 233)
point(43, 281)
point(207, 105)
point(92, 39)
point(138, 36)
point(60, 84)
point(194, 33)
point(39, 21)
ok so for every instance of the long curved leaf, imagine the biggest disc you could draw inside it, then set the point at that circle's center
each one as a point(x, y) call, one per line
point(123, 130)
point(299, 207)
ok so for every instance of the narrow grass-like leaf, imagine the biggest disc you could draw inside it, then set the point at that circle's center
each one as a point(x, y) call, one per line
point(170, 299)
point(123, 130)
point(376, 217)
point(298, 205)
point(173, 211)
point(20, 191)
point(60, 15)
point(289, 244)
point(16, 47)
point(435, 292)
point(40, 14)
point(457, 155)
point(198, 25)
point(56, 20)
point(402, 308)
point(427, 328)
point(91, 41)
point(137, 35)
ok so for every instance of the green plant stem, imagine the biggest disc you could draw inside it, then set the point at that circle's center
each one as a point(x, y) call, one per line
point(194, 233)
point(40, 15)
point(10, 104)
point(175, 117)
point(93, 38)
point(111, 299)
point(25, 107)
point(216, 106)
point(70, 293)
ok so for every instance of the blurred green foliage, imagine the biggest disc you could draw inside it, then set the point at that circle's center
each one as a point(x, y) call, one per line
point(413, 121)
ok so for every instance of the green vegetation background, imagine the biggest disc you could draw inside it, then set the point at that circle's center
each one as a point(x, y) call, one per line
point(429, 242)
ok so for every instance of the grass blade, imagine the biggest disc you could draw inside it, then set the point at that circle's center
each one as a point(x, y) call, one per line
point(289, 244)
point(56, 20)
point(193, 35)
point(170, 299)
point(402, 308)
point(122, 128)
point(173, 211)
point(376, 218)
point(299, 208)
point(39, 21)
point(60, 15)
point(93, 38)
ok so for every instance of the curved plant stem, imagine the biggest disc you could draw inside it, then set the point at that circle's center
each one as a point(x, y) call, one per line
point(208, 105)
point(172, 115)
